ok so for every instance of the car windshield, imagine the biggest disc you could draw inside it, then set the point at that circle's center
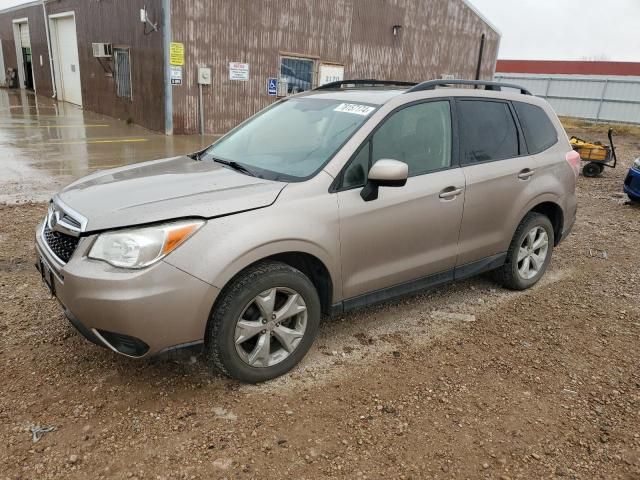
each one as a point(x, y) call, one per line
point(292, 140)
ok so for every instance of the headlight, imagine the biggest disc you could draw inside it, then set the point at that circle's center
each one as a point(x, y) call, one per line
point(141, 247)
point(636, 164)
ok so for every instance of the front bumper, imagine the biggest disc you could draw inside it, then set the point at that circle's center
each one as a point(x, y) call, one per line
point(632, 184)
point(136, 313)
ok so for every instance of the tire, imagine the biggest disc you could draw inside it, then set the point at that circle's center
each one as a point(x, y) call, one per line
point(510, 275)
point(268, 286)
point(592, 169)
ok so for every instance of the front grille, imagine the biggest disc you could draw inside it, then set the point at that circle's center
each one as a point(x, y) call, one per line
point(61, 245)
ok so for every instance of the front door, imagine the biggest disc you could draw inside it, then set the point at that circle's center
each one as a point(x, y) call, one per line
point(408, 233)
point(68, 64)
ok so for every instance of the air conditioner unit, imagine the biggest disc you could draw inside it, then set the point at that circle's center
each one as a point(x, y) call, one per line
point(101, 50)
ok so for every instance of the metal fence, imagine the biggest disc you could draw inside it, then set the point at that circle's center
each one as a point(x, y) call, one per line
point(592, 98)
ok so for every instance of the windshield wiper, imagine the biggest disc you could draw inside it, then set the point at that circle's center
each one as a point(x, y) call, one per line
point(236, 166)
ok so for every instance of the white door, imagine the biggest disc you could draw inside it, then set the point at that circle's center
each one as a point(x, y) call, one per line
point(68, 64)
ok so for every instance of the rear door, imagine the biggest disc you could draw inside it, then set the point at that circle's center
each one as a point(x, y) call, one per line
point(409, 232)
point(499, 177)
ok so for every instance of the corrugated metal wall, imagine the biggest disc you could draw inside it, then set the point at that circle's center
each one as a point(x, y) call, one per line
point(610, 99)
point(118, 22)
point(437, 37)
point(106, 21)
point(38, 40)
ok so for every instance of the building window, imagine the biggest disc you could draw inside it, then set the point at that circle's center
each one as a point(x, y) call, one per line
point(122, 61)
point(297, 74)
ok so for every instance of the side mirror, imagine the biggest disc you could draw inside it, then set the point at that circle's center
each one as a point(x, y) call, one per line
point(384, 173)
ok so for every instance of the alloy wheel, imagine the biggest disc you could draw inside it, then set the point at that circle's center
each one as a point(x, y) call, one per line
point(271, 327)
point(533, 252)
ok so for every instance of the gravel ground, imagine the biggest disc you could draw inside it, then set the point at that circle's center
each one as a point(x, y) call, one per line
point(468, 381)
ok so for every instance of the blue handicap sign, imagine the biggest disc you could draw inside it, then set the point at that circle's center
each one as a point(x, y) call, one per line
point(272, 86)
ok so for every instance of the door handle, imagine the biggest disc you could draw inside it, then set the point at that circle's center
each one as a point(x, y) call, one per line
point(526, 174)
point(450, 192)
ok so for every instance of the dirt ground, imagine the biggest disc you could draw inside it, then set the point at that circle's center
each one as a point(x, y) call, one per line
point(468, 381)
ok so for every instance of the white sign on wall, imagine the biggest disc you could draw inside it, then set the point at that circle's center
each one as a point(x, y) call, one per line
point(176, 75)
point(239, 71)
point(330, 73)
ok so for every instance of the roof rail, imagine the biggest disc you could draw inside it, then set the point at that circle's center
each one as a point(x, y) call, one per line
point(494, 86)
point(364, 83)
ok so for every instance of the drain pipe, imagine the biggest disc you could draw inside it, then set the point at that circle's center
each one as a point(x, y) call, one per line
point(168, 88)
point(480, 53)
point(46, 28)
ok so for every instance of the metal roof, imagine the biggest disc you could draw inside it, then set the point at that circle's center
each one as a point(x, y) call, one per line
point(20, 7)
point(568, 67)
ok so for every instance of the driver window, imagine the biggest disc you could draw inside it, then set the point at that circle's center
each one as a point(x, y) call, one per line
point(419, 135)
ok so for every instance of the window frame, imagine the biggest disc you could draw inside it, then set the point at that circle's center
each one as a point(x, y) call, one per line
point(522, 146)
point(524, 137)
point(336, 185)
point(294, 56)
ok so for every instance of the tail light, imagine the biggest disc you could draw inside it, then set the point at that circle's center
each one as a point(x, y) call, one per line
point(573, 158)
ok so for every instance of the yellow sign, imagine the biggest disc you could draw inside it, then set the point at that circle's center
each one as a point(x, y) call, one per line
point(176, 53)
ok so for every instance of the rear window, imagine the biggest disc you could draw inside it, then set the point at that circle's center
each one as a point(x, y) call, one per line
point(539, 132)
point(487, 130)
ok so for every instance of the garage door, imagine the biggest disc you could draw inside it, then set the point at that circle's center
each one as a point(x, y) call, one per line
point(69, 68)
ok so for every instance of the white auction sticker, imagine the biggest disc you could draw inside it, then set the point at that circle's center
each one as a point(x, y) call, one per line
point(354, 108)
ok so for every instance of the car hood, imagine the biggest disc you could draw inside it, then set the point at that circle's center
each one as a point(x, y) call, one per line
point(163, 190)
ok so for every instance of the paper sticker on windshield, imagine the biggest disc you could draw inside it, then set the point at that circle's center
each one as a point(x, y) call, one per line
point(354, 108)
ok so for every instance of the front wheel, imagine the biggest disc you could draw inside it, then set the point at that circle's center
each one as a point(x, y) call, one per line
point(529, 253)
point(264, 323)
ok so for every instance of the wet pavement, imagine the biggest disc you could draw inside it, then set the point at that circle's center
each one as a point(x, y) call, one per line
point(46, 144)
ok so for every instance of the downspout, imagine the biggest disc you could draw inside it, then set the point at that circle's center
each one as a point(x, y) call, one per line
point(168, 89)
point(480, 54)
point(46, 28)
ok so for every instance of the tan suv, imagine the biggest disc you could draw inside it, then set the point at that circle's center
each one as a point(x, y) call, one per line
point(331, 200)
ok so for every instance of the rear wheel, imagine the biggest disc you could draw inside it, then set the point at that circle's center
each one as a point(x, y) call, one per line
point(264, 323)
point(529, 253)
point(592, 169)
